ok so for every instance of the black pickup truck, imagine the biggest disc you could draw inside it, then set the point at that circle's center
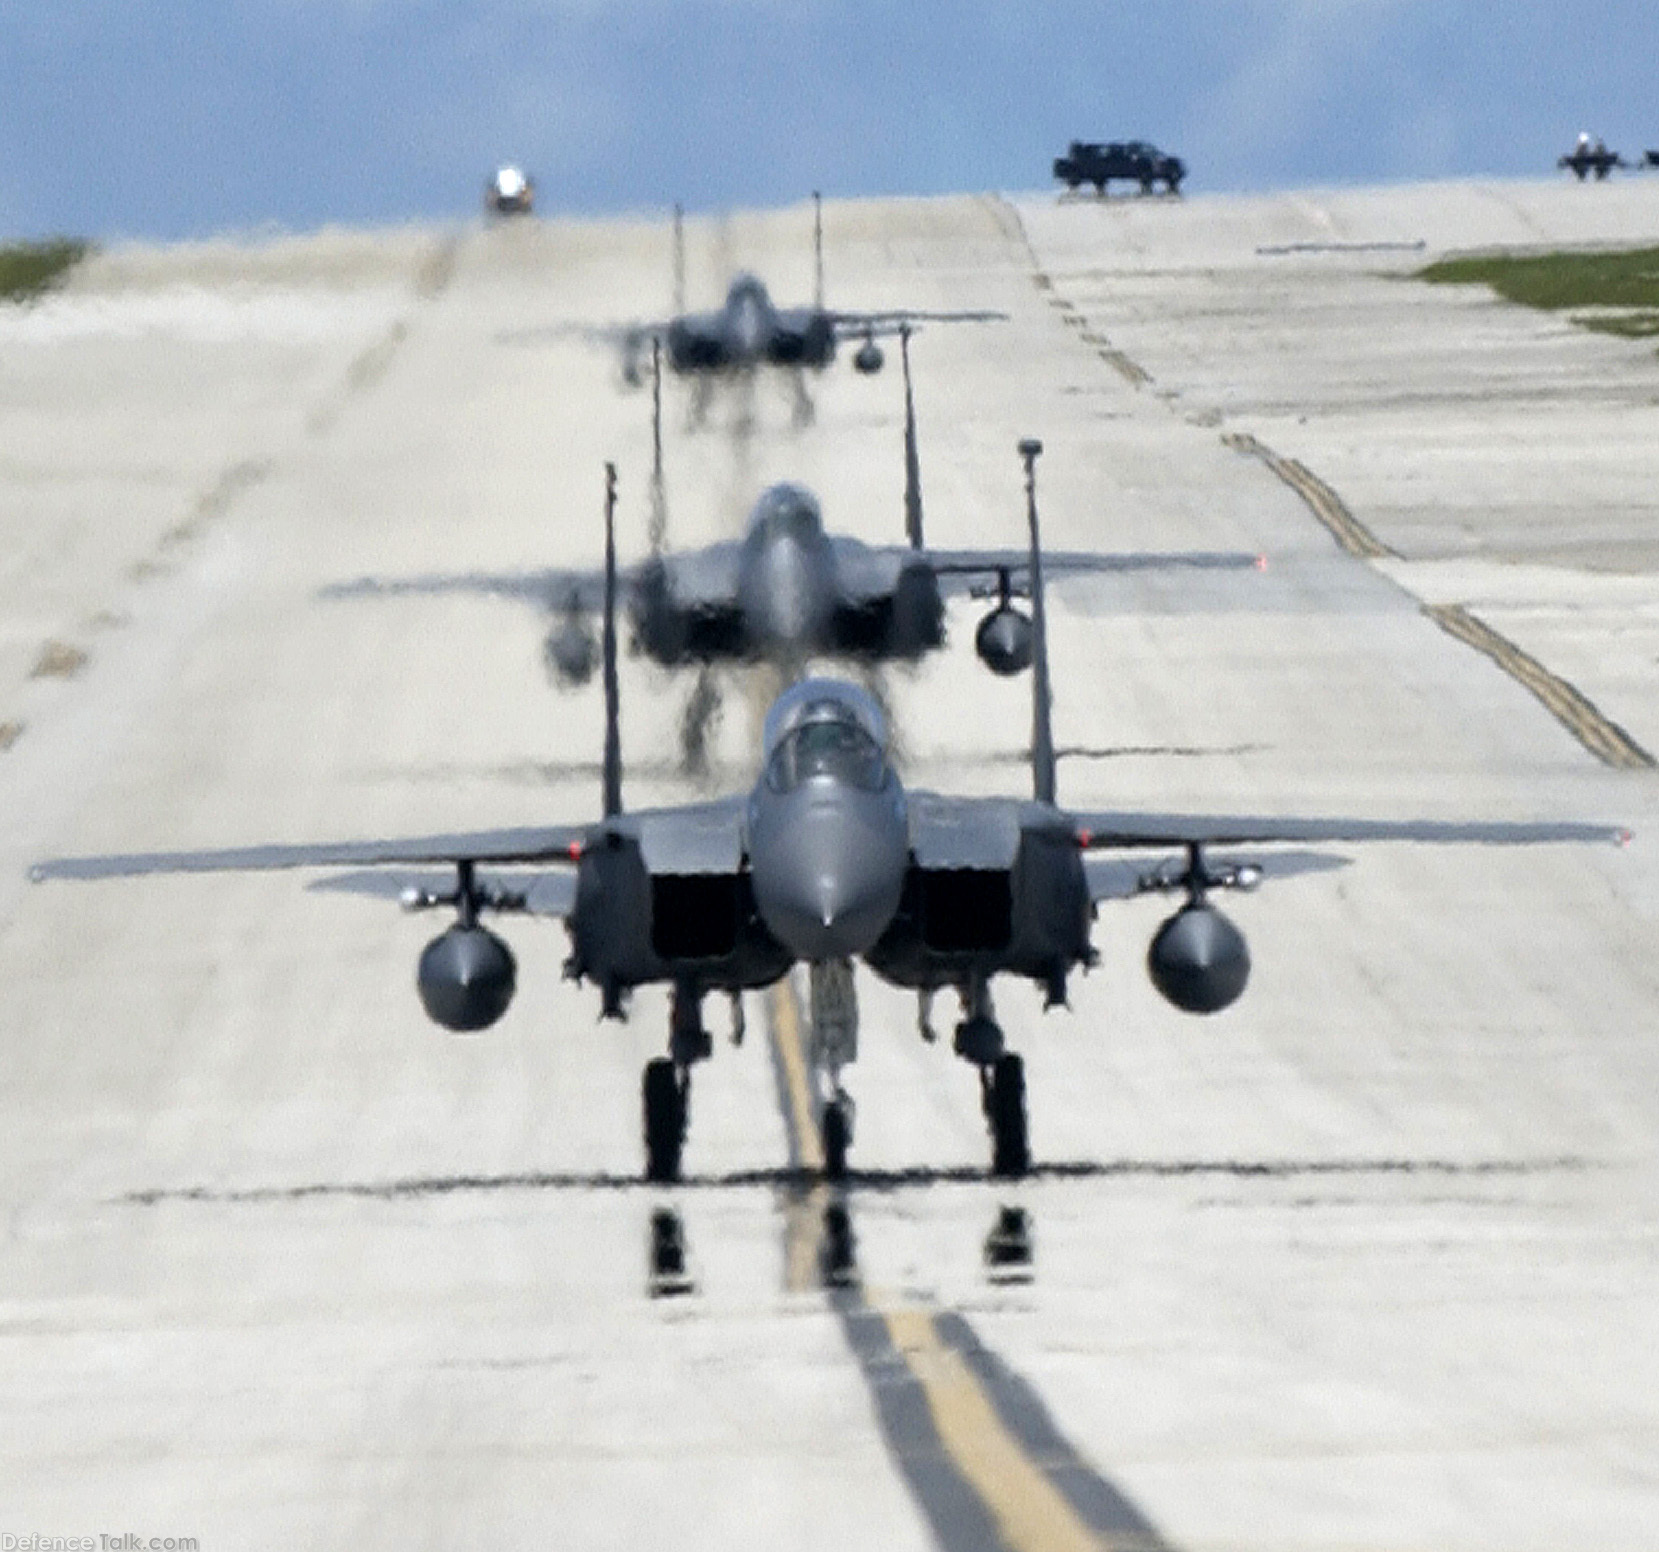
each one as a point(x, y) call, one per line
point(1134, 160)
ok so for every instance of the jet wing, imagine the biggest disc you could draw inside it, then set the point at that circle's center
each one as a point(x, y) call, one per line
point(1134, 831)
point(551, 590)
point(976, 572)
point(985, 833)
point(703, 579)
point(848, 326)
point(691, 838)
point(869, 572)
point(557, 843)
point(624, 334)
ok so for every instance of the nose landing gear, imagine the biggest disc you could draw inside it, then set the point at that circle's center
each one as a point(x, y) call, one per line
point(834, 1008)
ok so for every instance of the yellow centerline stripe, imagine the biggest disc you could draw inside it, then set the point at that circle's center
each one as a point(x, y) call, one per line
point(786, 1029)
point(803, 1214)
point(1029, 1510)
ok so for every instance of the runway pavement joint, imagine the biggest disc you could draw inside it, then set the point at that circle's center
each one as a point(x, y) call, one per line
point(1605, 739)
point(1319, 498)
point(59, 660)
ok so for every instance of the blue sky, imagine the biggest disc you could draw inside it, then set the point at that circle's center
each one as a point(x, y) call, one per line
point(172, 118)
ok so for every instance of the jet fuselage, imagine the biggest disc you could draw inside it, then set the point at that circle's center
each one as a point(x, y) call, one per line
point(749, 330)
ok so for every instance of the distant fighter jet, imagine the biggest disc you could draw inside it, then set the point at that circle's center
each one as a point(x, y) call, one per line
point(510, 192)
point(788, 590)
point(749, 330)
point(1588, 157)
point(827, 860)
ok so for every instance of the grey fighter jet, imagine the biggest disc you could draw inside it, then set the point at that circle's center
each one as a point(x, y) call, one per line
point(826, 861)
point(789, 590)
point(749, 330)
point(1587, 157)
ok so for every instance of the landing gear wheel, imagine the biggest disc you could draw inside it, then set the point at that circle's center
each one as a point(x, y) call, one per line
point(837, 1135)
point(665, 1115)
point(1005, 1110)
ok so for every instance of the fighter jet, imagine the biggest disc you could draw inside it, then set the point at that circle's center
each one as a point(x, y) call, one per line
point(749, 330)
point(789, 590)
point(1588, 157)
point(826, 861)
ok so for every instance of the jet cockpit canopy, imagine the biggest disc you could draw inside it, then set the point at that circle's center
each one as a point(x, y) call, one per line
point(787, 511)
point(822, 727)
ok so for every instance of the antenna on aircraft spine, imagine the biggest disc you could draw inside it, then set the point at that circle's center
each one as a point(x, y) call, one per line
point(817, 250)
point(1042, 700)
point(612, 769)
point(912, 458)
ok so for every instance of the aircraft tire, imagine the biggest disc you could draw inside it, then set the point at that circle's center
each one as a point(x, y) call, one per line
point(837, 1135)
point(1010, 1145)
point(665, 1115)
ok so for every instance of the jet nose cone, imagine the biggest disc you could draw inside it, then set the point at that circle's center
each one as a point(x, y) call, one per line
point(826, 887)
point(831, 917)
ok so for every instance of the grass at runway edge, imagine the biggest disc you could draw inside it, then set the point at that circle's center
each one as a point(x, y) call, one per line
point(1623, 283)
point(29, 268)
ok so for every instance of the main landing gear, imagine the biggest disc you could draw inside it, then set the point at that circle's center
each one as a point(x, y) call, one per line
point(979, 1040)
point(666, 1088)
point(667, 1095)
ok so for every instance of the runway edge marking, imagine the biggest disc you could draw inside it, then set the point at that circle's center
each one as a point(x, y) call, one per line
point(983, 1458)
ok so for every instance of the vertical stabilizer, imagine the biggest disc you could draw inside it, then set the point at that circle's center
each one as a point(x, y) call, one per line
point(817, 250)
point(912, 458)
point(1042, 700)
point(659, 496)
point(679, 261)
point(612, 768)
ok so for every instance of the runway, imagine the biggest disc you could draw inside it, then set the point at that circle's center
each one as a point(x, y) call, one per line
point(1367, 1262)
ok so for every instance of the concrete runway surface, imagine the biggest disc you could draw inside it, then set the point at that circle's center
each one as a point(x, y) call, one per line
point(1370, 1261)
